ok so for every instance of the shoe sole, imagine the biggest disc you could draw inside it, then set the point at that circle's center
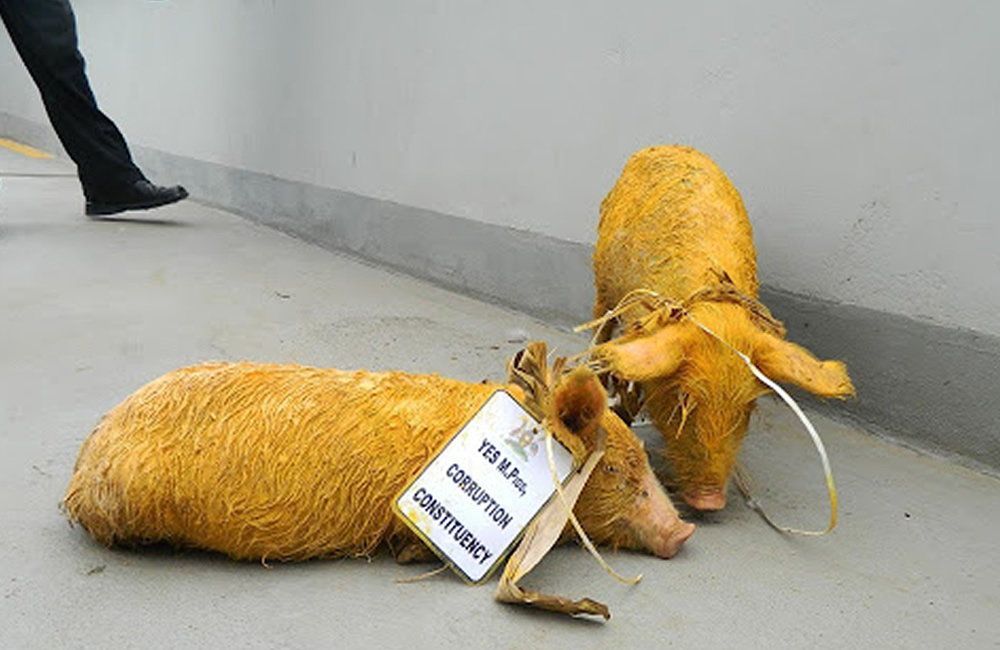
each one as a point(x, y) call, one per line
point(105, 209)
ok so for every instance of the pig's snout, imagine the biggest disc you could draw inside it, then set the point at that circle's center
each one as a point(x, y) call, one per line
point(658, 525)
point(667, 545)
point(706, 499)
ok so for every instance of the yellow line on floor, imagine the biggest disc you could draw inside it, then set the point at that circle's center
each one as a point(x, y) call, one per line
point(23, 149)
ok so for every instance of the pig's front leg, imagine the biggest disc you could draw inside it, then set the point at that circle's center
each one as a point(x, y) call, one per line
point(414, 551)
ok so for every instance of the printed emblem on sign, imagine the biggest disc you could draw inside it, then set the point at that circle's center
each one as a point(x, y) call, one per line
point(522, 441)
point(477, 495)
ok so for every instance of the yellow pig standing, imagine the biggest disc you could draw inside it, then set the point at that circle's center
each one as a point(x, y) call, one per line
point(675, 240)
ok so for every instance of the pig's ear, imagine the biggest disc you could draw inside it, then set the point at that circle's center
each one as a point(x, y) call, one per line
point(787, 362)
point(579, 401)
point(652, 356)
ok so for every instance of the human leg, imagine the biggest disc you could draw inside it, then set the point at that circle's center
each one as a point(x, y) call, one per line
point(44, 34)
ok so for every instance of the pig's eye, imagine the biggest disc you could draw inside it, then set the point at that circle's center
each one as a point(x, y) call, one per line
point(645, 494)
point(610, 469)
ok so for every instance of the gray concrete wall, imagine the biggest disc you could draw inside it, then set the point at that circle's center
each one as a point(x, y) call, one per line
point(470, 143)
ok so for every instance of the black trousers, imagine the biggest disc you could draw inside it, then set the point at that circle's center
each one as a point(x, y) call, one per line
point(44, 34)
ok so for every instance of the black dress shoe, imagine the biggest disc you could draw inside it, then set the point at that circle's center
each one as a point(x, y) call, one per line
point(142, 195)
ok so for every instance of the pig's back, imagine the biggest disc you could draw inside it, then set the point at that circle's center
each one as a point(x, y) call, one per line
point(671, 218)
point(264, 461)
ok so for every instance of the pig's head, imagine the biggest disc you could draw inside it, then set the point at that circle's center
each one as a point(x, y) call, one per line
point(622, 504)
point(700, 394)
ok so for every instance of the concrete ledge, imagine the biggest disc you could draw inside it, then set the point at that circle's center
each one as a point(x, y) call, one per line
point(543, 276)
point(934, 388)
point(930, 387)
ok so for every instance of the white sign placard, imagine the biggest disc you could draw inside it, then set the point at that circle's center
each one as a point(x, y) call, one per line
point(473, 500)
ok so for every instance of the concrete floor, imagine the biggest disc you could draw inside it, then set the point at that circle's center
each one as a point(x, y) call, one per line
point(89, 311)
